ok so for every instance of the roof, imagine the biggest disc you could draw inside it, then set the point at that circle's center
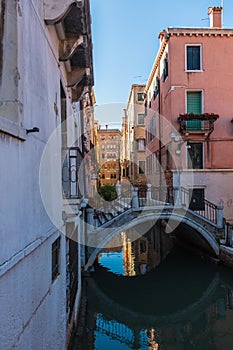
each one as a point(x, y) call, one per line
point(183, 31)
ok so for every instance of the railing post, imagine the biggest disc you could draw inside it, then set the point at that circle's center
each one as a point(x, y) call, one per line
point(177, 199)
point(148, 192)
point(220, 216)
point(90, 216)
point(135, 202)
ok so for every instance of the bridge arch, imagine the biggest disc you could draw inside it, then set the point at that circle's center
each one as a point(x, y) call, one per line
point(201, 229)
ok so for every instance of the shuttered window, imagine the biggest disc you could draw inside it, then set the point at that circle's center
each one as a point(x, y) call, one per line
point(194, 105)
point(193, 55)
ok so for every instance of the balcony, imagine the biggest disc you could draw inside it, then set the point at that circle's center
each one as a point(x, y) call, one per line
point(198, 124)
point(70, 180)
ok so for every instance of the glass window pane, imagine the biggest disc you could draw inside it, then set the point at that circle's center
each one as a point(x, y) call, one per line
point(193, 57)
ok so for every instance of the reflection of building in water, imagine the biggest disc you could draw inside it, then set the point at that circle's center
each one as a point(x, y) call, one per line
point(153, 345)
point(147, 251)
point(128, 256)
point(134, 338)
point(140, 254)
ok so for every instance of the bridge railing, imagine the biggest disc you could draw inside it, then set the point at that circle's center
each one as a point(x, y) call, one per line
point(106, 211)
point(148, 195)
point(210, 211)
point(163, 194)
point(229, 234)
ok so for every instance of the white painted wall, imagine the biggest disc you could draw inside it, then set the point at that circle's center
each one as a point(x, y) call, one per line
point(214, 181)
point(33, 309)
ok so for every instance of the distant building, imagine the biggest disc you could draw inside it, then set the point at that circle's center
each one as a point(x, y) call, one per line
point(109, 143)
point(189, 112)
point(134, 137)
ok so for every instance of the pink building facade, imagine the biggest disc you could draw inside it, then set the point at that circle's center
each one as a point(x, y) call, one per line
point(189, 111)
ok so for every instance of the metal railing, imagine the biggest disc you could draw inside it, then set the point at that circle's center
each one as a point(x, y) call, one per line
point(71, 165)
point(209, 209)
point(106, 211)
point(157, 196)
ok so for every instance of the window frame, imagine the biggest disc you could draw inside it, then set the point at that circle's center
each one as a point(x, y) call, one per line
point(202, 98)
point(138, 118)
point(202, 104)
point(186, 59)
point(140, 168)
point(142, 94)
point(141, 142)
point(203, 159)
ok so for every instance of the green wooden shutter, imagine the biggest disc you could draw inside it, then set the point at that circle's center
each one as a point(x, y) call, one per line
point(194, 105)
point(194, 102)
point(193, 58)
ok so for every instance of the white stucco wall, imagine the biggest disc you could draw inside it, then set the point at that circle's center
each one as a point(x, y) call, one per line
point(33, 309)
point(214, 182)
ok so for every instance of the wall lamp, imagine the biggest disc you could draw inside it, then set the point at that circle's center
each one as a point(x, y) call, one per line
point(35, 129)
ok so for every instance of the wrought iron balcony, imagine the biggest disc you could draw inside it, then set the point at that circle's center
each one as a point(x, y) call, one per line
point(70, 170)
point(197, 123)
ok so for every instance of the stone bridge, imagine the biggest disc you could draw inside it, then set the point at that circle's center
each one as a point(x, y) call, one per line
point(206, 226)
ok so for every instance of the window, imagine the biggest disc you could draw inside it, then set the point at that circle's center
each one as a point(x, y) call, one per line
point(56, 258)
point(193, 57)
point(165, 69)
point(102, 146)
point(102, 155)
point(141, 169)
point(197, 199)
point(143, 246)
point(141, 119)
point(141, 145)
point(194, 105)
point(140, 96)
point(149, 161)
point(195, 155)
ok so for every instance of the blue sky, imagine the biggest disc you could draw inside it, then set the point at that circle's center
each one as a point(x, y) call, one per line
point(125, 42)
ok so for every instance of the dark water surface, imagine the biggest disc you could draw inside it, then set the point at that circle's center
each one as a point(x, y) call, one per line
point(136, 300)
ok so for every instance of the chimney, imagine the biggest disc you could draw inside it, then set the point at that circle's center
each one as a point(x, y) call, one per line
point(106, 126)
point(215, 14)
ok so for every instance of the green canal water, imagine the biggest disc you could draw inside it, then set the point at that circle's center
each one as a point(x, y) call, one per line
point(141, 298)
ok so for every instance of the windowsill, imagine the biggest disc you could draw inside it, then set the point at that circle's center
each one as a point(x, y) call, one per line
point(194, 71)
point(12, 129)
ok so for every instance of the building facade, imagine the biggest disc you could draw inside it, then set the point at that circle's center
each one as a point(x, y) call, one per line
point(45, 70)
point(135, 136)
point(189, 113)
point(109, 142)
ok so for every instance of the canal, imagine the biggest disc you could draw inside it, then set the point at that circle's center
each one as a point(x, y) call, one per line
point(149, 294)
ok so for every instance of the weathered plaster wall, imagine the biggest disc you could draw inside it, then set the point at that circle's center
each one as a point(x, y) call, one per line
point(33, 309)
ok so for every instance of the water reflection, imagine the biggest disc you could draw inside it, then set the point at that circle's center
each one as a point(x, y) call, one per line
point(181, 303)
point(128, 256)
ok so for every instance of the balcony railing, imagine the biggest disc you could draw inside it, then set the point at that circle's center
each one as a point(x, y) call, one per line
point(70, 180)
point(197, 123)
